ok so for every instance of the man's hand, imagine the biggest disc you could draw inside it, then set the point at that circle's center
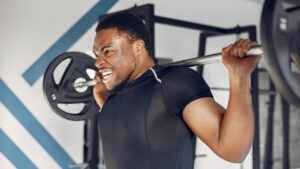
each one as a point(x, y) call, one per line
point(233, 58)
point(99, 91)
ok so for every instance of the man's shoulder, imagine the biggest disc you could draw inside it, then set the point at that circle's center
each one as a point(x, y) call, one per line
point(179, 72)
point(178, 69)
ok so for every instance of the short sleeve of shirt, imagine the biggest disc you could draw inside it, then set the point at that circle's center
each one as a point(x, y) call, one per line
point(182, 85)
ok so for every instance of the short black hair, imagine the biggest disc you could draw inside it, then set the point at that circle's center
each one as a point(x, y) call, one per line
point(128, 23)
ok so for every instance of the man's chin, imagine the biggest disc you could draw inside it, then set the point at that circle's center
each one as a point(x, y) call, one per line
point(119, 87)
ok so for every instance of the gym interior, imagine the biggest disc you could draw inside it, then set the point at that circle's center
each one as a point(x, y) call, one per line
point(33, 33)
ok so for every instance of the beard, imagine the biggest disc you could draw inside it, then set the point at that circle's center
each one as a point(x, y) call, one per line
point(119, 87)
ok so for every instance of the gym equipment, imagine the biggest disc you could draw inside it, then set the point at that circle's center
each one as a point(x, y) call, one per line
point(280, 46)
point(65, 98)
point(208, 59)
point(286, 23)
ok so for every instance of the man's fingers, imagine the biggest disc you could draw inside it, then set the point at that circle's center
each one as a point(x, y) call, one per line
point(254, 43)
point(248, 45)
point(234, 50)
point(245, 46)
point(97, 78)
point(245, 43)
point(238, 49)
point(240, 42)
point(226, 50)
point(241, 46)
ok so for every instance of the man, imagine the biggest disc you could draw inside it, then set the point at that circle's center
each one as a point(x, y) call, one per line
point(151, 114)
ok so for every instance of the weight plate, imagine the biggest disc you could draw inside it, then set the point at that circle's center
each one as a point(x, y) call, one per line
point(280, 42)
point(58, 86)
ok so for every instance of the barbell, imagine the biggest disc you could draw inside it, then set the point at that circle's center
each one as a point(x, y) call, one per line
point(71, 95)
point(202, 60)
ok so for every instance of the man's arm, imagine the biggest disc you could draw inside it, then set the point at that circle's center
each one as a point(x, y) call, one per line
point(229, 133)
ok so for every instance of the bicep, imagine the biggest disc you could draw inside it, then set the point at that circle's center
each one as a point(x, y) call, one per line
point(204, 118)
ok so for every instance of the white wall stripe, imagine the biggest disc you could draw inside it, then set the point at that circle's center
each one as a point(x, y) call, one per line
point(26, 143)
point(62, 130)
point(5, 163)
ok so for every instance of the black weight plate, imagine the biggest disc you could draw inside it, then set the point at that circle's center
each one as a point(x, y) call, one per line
point(61, 95)
point(279, 33)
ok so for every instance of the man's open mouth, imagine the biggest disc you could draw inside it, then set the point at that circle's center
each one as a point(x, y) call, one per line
point(106, 76)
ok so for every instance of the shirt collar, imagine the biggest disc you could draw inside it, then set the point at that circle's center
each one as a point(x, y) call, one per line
point(145, 77)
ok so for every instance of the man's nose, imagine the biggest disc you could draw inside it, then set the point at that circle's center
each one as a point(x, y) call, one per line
point(99, 62)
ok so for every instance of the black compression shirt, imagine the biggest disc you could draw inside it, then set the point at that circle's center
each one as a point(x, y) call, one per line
point(142, 127)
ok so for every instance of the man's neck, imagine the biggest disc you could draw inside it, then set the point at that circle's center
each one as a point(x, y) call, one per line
point(143, 66)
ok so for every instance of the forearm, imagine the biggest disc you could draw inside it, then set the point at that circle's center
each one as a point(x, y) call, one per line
point(237, 127)
point(100, 99)
point(99, 91)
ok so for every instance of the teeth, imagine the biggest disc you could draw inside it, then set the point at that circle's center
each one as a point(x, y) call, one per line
point(106, 73)
point(106, 76)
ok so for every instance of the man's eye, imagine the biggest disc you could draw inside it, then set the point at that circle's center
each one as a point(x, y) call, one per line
point(107, 52)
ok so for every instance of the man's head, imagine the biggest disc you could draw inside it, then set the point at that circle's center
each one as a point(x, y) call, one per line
point(127, 23)
point(122, 45)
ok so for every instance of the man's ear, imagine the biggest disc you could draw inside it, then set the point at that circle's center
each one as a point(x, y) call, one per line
point(139, 47)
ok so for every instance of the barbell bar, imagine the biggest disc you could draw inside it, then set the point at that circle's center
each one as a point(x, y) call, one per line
point(202, 60)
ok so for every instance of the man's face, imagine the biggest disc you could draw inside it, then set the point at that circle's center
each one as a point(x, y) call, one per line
point(116, 60)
